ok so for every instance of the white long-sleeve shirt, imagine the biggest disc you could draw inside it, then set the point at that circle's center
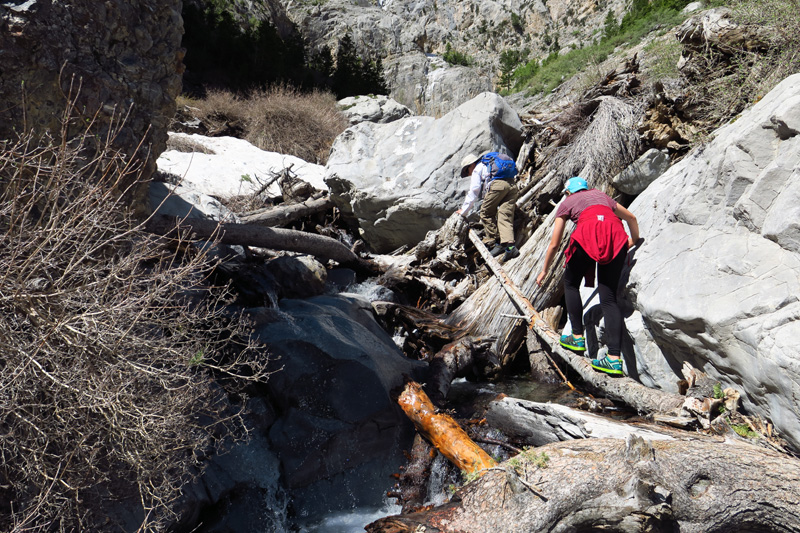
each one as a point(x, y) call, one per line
point(479, 176)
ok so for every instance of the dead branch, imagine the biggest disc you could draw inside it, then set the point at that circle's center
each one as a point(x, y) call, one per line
point(442, 431)
point(286, 214)
point(110, 345)
point(467, 356)
point(249, 235)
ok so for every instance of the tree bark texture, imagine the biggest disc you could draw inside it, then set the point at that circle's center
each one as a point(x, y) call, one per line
point(542, 367)
point(483, 310)
point(696, 485)
point(442, 431)
point(467, 356)
point(537, 424)
point(287, 213)
point(621, 388)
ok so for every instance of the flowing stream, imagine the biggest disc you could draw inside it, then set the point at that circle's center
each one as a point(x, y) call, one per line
point(332, 439)
point(466, 398)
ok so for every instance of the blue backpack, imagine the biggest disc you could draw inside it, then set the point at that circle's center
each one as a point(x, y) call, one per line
point(500, 166)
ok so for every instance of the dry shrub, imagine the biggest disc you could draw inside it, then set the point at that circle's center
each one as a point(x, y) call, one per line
point(182, 144)
point(602, 140)
point(661, 58)
point(113, 345)
point(279, 119)
point(731, 81)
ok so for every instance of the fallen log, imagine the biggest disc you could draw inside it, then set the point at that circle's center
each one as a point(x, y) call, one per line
point(249, 235)
point(465, 357)
point(286, 214)
point(537, 424)
point(519, 299)
point(542, 368)
point(693, 485)
point(622, 389)
point(442, 431)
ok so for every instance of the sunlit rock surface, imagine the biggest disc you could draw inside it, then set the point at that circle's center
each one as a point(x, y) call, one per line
point(716, 281)
point(400, 180)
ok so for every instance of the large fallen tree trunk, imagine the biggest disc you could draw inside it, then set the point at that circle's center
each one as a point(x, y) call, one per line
point(248, 235)
point(694, 485)
point(285, 214)
point(604, 140)
point(624, 389)
point(537, 424)
point(442, 431)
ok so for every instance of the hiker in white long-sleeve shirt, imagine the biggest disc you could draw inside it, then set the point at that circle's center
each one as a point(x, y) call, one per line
point(497, 209)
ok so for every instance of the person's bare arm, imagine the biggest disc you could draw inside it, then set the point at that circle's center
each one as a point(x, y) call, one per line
point(555, 240)
point(630, 219)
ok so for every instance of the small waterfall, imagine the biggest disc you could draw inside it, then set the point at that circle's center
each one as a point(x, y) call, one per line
point(349, 521)
point(443, 479)
point(372, 291)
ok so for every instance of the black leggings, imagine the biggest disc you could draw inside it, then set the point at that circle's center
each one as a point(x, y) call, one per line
point(608, 276)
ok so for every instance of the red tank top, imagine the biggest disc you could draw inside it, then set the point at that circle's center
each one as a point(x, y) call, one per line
point(600, 233)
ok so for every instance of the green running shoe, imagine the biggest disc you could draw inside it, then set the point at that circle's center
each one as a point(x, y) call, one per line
point(609, 366)
point(571, 343)
point(497, 250)
point(511, 252)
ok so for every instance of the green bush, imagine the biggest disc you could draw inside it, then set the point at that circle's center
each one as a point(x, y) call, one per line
point(220, 52)
point(225, 53)
point(355, 75)
point(516, 23)
point(509, 61)
point(644, 17)
point(454, 57)
point(665, 53)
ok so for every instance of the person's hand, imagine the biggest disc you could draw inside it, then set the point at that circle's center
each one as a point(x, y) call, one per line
point(460, 213)
point(540, 278)
point(630, 243)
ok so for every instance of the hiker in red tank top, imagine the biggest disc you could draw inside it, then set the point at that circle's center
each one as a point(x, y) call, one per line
point(598, 241)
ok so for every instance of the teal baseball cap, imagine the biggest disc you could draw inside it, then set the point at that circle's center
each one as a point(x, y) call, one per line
point(575, 184)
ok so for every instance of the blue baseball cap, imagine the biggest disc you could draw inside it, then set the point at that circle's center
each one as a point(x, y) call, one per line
point(575, 184)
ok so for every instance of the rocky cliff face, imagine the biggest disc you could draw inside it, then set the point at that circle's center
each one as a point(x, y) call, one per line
point(412, 35)
point(715, 282)
point(112, 57)
point(249, 11)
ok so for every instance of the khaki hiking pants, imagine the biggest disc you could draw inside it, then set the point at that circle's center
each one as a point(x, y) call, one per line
point(499, 204)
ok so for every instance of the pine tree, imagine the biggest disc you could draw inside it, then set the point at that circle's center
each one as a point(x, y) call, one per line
point(509, 60)
point(348, 67)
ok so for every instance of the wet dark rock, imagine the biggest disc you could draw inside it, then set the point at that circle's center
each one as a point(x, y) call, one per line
point(337, 424)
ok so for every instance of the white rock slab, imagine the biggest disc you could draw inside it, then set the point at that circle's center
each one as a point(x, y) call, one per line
point(716, 281)
point(233, 166)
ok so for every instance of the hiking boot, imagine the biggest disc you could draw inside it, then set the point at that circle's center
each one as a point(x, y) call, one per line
point(572, 343)
point(609, 366)
point(497, 250)
point(511, 252)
